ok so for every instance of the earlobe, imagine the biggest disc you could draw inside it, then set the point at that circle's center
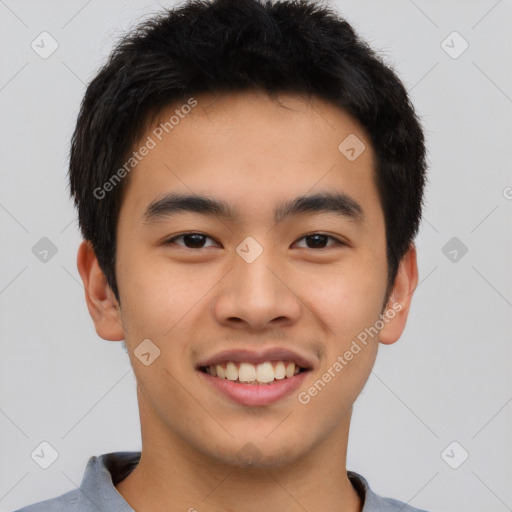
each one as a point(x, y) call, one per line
point(397, 309)
point(101, 302)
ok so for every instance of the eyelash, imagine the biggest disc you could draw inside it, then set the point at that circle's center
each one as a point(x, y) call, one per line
point(171, 240)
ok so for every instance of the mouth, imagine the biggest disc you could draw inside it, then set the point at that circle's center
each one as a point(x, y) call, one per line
point(262, 374)
point(255, 378)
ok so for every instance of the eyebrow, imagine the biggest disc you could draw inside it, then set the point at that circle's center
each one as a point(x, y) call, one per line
point(174, 203)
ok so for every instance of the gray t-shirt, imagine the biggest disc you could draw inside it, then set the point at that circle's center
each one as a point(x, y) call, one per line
point(98, 494)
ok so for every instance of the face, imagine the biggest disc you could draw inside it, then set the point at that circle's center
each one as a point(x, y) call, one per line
point(264, 272)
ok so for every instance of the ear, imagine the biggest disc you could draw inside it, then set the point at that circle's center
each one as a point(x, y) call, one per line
point(397, 309)
point(101, 302)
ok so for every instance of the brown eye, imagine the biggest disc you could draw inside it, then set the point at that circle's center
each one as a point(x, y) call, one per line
point(319, 241)
point(190, 240)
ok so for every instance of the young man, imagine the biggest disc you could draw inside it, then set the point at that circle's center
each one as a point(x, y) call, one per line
point(249, 180)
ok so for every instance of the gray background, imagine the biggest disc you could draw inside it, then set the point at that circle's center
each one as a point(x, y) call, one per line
point(447, 379)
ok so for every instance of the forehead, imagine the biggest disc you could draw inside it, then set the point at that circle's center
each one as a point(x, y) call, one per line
point(250, 149)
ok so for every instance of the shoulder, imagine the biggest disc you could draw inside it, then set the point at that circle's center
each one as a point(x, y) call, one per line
point(391, 505)
point(62, 503)
point(97, 491)
point(375, 503)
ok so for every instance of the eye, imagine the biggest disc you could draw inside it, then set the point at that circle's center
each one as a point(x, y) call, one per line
point(191, 240)
point(197, 240)
point(319, 240)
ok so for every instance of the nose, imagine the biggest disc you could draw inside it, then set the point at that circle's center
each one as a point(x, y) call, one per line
point(257, 295)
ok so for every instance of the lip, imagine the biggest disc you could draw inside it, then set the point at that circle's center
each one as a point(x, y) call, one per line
point(258, 357)
point(255, 394)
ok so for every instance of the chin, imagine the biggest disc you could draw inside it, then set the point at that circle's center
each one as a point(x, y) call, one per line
point(258, 453)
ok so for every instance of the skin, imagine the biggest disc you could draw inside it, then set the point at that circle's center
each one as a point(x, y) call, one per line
point(193, 303)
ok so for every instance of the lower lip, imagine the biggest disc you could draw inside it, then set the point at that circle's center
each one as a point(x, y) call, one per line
point(255, 394)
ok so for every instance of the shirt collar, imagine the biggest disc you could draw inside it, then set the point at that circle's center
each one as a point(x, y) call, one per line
point(103, 472)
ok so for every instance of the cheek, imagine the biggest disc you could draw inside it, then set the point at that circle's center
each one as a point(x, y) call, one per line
point(155, 297)
point(348, 303)
point(346, 298)
point(166, 303)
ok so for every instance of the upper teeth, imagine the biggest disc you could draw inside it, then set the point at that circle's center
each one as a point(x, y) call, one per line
point(261, 373)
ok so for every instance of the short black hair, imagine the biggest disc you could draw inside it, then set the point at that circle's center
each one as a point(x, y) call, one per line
point(226, 46)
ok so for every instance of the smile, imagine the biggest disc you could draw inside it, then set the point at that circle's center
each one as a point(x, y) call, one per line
point(254, 374)
point(253, 385)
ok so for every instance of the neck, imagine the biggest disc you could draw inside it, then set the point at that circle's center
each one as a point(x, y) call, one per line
point(174, 476)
